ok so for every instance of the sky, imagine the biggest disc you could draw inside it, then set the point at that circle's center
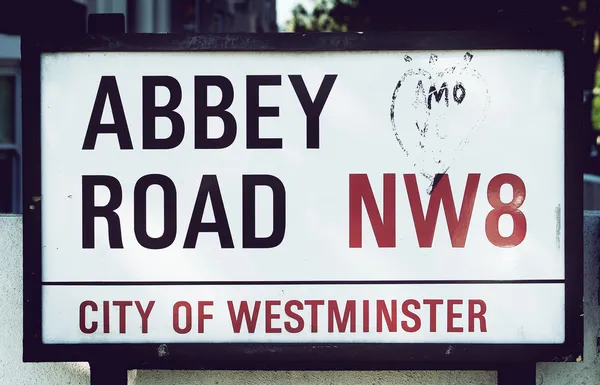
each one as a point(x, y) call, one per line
point(284, 9)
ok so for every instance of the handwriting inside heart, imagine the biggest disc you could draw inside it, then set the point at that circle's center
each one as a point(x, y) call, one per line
point(434, 111)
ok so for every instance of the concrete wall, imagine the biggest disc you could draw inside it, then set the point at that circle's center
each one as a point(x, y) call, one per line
point(14, 372)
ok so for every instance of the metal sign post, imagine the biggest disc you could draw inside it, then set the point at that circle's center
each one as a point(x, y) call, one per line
point(107, 373)
point(319, 201)
point(519, 374)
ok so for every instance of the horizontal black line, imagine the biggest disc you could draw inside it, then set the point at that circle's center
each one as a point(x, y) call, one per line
point(289, 283)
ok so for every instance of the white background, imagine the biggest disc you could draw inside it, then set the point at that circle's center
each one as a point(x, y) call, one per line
point(513, 313)
point(522, 134)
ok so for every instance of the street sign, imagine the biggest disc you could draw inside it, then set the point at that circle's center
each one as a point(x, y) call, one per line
point(346, 198)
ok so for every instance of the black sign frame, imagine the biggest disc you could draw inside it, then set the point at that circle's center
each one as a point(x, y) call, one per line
point(304, 356)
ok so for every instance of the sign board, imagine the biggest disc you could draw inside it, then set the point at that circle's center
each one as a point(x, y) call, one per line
point(240, 198)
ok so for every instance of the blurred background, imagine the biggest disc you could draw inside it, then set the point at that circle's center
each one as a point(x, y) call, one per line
point(20, 17)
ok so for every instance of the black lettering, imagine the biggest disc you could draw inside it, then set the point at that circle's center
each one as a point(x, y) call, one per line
point(89, 211)
point(254, 111)
point(209, 186)
point(312, 109)
point(202, 111)
point(150, 111)
point(108, 89)
point(140, 208)
point(249, 184)
point(455, 93)
point(438, 94)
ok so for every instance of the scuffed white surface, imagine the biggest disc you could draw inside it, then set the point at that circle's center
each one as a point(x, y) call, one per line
point(354, 125)
point(387, 113)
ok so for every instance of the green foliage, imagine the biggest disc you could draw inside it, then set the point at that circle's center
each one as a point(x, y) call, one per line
point(390, 15)
point(319, 20)
point(596, 103)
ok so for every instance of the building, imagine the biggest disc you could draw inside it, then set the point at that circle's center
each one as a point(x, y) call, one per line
point(10, 125)
point(142, 16)
point(192, 16)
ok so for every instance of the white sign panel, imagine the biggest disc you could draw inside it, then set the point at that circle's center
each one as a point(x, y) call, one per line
point(317, 197)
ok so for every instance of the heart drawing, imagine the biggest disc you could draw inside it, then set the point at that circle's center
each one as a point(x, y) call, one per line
point(436, 110)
